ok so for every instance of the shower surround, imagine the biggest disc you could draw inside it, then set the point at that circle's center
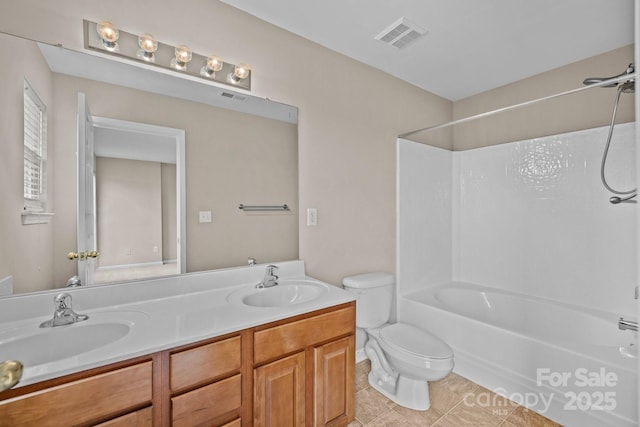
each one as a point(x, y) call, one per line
point(530, 218)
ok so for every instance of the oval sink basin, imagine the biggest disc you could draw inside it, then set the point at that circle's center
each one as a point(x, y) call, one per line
point(285, 293)
point(61, 342)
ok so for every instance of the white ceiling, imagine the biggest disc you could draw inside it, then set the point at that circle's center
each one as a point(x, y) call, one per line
point(471, 45)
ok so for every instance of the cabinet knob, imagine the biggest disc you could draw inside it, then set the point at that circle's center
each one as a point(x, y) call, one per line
point(10, 374)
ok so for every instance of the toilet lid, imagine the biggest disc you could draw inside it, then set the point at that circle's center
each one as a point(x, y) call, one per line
point(412, 340)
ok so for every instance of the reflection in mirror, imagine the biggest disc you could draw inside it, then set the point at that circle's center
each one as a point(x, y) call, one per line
point(238, 149)
point(139, 200)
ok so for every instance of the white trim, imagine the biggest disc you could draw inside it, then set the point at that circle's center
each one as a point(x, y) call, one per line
point(30, 217)
point(135, 265)
point(179, 136)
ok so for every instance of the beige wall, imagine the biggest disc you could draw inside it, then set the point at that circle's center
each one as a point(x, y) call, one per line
point(25, 250)
point(584, 110)
point(350, 114)
point(129, 211)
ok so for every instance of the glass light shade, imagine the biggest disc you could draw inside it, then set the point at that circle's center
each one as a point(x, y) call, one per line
point(240, 72)
point(214, 64)
point(183, 56)
point(148, 46)
point(108, 34)
point(147, 43)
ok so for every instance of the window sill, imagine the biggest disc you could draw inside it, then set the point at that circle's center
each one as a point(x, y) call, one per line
point(29, 218)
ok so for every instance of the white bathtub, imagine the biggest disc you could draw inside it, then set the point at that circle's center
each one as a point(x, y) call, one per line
point(564, 361)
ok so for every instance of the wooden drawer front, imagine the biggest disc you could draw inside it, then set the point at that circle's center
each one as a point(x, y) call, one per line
point(141, 418)
point(334, 374)
point(274, 342)
point(234, 423)
point(201, 406)
point(202, 364)
point(81, 401)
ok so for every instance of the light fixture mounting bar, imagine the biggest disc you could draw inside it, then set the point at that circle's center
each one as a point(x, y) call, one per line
point(128, 48)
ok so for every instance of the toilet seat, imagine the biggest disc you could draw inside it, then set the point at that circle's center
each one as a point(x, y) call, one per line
point(413, 345)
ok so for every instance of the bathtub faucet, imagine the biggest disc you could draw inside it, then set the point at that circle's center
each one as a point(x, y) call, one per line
point(627, 325)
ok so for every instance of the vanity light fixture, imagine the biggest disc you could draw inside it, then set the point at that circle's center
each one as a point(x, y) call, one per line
point(240, 72)
point(148, 46)
point(213, 65)
point(105, 38)
point(108, 35)
point(183, 56)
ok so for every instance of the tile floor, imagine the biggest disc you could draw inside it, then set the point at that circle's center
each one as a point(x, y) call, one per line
point(448, 407)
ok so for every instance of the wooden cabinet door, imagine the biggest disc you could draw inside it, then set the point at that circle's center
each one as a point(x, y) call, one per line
point(334, 383)
point(279, 393)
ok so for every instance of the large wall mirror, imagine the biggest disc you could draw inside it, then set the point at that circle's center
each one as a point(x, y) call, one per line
point(170, 161)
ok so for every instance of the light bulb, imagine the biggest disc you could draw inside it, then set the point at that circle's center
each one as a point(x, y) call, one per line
point(214, 64)
point(148, 46)
point(240, 72)
point(183, 56)
point(108, 34)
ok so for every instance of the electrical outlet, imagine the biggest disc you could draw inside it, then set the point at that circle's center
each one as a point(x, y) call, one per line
point(312, 216)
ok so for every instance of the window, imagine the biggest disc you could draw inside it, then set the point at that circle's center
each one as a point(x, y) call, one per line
point(35, 156)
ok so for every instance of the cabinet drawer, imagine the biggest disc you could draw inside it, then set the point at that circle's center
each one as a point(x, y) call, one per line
point(141, 418)
point(82, 401)
point(274, 342)
point(201, 406)
point(204, 363)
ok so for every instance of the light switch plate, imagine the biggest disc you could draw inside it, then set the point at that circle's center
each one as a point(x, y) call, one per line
point(312, 216)
point(205, 216)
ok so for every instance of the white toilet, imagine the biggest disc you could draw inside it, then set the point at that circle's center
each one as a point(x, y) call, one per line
point(403, 357)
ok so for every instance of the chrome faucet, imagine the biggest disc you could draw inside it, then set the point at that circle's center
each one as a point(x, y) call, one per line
point(627, 325)
point(270, 278)
point(63, 314)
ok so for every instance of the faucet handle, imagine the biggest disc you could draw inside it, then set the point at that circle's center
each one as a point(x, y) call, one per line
point(61, 301)
point(636, 294)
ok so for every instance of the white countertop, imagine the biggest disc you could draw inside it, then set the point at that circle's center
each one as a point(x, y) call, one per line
point(161, 314)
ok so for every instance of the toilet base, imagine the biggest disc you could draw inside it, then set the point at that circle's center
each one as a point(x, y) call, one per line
point(410, 393)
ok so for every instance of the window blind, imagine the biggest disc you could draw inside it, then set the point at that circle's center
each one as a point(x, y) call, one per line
point(35, 146)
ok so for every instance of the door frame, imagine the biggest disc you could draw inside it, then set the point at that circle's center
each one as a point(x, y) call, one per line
point(178, 135)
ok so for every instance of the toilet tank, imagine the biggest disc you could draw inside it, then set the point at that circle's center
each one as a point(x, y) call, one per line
point(374, 294)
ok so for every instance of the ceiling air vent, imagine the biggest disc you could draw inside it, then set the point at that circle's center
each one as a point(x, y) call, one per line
point(401, 33)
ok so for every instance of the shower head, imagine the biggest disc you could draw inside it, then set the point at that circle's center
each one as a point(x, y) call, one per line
point(627, 87)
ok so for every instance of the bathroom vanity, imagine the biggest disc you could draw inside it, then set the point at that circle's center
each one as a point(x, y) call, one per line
point(294, 365)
